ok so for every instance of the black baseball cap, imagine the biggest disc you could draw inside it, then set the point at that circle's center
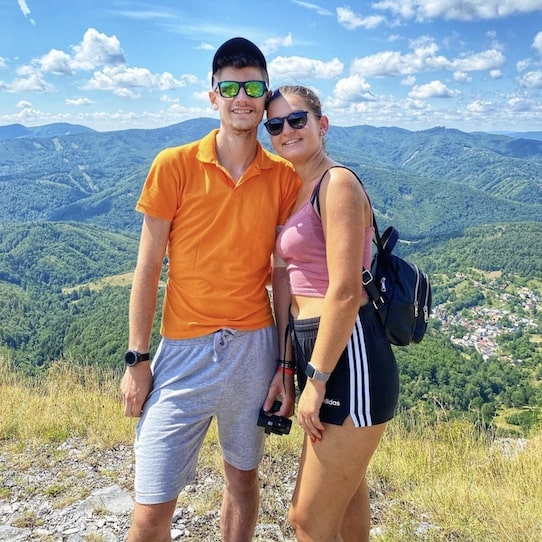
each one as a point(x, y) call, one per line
point(239, 53)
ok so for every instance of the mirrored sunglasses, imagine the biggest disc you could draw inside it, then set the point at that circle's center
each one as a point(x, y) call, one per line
point(297, 120)
point(230, 89)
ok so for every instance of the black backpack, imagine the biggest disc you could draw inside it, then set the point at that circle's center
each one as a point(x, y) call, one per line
point(399, 290)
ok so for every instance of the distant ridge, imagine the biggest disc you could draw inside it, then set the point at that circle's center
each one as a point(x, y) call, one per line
point(522, 135)
point(12, 131)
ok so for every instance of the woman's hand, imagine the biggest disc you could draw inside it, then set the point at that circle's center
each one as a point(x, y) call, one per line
point(308, 409)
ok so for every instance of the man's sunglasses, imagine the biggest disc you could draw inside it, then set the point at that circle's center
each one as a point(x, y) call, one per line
point(230, 89)
point(297, 120)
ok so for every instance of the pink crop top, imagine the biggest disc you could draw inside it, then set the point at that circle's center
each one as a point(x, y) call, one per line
point(302, 246)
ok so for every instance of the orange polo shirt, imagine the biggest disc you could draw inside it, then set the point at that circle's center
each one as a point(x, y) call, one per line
point(222, 235)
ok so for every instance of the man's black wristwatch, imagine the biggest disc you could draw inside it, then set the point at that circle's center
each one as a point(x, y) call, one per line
point(314, 374)
point(133, 357)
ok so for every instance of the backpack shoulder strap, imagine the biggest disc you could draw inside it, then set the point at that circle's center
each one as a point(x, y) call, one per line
point(315, 199)
point(315, 196)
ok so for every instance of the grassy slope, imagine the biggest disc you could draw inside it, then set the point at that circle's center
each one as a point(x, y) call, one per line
point(437, 482)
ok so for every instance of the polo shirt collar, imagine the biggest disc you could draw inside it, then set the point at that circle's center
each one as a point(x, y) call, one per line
point(207, 153)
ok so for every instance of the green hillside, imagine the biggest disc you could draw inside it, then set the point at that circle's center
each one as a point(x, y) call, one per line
point(46, 270)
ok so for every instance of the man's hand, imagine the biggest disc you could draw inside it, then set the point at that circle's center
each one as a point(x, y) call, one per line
point(282, 387)
point(135, 387)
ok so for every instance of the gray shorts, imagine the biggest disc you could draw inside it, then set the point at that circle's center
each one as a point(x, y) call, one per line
point(225, 375)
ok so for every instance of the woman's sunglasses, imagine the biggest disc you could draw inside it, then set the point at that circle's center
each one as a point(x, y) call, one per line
point(230, 89)
point(297, 120)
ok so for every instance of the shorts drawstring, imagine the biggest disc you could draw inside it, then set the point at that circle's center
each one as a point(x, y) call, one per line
point(220, 341)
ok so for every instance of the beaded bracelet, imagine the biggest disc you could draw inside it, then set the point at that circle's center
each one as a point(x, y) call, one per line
point(285, 364)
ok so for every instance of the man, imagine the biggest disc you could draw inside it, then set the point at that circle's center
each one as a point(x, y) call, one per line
point(214, 205)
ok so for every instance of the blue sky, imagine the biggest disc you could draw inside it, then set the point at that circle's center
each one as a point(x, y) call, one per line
point(117, 64)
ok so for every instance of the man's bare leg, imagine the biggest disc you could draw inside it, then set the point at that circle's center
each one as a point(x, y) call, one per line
point(239, 504)
point(152, 522)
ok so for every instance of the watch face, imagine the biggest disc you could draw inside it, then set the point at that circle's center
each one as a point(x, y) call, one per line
point(130, 358)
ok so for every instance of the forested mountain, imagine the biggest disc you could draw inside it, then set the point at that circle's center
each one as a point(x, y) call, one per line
point(468, 207)
point(435, 181)
point(49, 130)
point(57, 255)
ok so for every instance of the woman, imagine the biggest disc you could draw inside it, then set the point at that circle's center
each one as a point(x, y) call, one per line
point(346, 370)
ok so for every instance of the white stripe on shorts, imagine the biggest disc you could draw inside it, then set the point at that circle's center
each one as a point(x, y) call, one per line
point(359, 381)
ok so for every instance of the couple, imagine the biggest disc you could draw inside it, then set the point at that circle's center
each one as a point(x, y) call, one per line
point(215, 207)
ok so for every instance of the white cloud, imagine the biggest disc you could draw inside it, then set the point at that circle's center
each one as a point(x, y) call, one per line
point(350, 20)
point(537, 43)
point(301, 68)
point(387, 63)
point(522, 65)
point(23, 104)
point(480, 107)
point(3, 63)
point(434, 89)
point(408, 81)
point(205, 47)
point(486, 60)
point(495, 74)
point(532, 79)
point(462, 77)
point(33, 82)
point(201, 96)
point(424, 58)
point(126, 93)
point(274, 44)
point(25, 10)
point(459, 10)
point(78, 102)
point(145, 14)
point(96, 50)
point(24, 7)
point(314, 7)
point(168, 99)
point(349, 90)
point(121, 78)
point(57, 62)
point(521, 104)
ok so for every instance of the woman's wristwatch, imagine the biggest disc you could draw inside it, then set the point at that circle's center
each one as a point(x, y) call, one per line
point(314, 374)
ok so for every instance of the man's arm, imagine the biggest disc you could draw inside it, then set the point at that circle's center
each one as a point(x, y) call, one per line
point(283, 382)
point(137, 381)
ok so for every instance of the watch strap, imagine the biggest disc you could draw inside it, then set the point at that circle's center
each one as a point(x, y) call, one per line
point(314, 374)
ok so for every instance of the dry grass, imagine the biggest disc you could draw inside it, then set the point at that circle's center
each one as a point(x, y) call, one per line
point(70, 400)
point(443, 482)
point(464, 485)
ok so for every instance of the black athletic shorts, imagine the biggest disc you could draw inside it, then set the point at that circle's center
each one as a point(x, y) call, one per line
point(365, 382)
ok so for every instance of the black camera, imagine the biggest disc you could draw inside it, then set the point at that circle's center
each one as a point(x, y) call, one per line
point(273, 423)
